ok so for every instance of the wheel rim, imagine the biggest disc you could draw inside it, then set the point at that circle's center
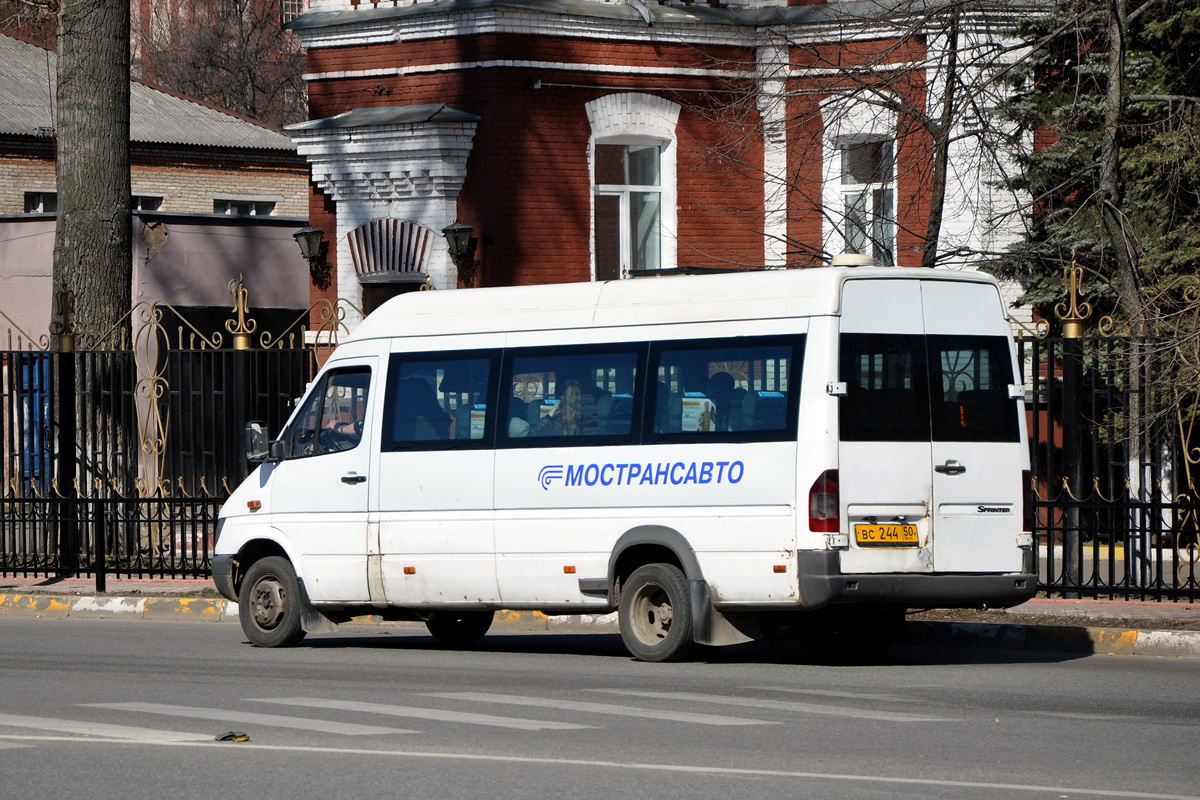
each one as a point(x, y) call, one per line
point(269, 602)
point(651, 614)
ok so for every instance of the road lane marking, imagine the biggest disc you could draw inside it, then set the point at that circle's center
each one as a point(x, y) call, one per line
point(83, 728)
point(782, 705)
point(1123, 718)
point(251, 718)
point(881, 698)
point(598, 708)
point(435, 714)
point(786, 775)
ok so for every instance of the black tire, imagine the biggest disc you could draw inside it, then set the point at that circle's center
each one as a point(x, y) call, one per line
point(850, 636)
point(459, 628)
point(656, 614)
point(269, 604)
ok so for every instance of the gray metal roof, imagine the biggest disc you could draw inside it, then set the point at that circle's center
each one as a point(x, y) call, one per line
point(390, 115)
point(650, 14)
point(155, 117)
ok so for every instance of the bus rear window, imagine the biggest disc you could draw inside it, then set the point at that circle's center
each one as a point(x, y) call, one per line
point(887, 390)
point(969, 382)
point(913, 388)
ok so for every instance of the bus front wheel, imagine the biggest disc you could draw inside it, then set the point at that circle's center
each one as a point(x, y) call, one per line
point(656, 614)
point(269, 604)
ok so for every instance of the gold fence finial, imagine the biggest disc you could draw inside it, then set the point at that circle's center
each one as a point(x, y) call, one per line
point(63, 325)
point(1072, 312)
point(242, 327)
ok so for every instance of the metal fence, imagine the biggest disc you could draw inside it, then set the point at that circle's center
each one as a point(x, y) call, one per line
point(117, 459)
point(118, 455)
point(1111, 457)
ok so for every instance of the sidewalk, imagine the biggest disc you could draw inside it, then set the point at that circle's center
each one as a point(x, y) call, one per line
point(197, 600)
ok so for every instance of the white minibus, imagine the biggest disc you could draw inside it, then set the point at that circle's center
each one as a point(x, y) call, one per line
point(714, 458)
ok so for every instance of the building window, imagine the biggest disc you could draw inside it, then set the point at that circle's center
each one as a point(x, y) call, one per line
point(632, 156)
point(146, 202)
point(868, 199)
point(858, 193)
point(628, 221)
point(41, 202)
point(290, 10)
point(244, 208)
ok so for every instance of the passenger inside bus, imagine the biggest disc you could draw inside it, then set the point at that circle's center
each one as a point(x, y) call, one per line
point(566, 418)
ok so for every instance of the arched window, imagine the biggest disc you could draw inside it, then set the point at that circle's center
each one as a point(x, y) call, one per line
point(632, 158)
point(860, 179)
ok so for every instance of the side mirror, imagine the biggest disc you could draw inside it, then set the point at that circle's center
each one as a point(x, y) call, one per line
point(259, 447)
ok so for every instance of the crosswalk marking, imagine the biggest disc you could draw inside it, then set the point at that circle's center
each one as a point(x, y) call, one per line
point(249, 717)
point(437, 715)
point(882, 698)
point(782, 705)
point(598, 708)
point(82, 728)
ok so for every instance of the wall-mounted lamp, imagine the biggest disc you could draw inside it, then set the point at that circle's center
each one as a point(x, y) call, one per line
point(312, 247)
point(462, 250)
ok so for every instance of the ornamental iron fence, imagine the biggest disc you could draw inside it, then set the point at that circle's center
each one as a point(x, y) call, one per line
point(119, 453)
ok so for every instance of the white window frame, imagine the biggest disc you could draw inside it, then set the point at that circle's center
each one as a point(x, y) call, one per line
point(636, 118)
point(41, 195)
point(138, 197)
point(253, 201)
point(879, 245)
point(849, 121)
point(625, 193)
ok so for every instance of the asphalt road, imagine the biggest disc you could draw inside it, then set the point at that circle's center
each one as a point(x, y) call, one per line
point(115, 709)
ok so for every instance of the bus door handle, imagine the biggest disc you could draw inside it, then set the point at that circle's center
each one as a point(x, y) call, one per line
point(951, 467)
point(353, 477)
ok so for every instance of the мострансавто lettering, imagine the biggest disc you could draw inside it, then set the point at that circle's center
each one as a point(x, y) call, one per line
point(674, 473)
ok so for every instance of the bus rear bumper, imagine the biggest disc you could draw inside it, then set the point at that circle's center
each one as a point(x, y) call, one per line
point(822, 583)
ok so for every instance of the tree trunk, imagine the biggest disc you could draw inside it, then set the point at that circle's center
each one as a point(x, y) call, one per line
point(1125, 279)
point(941, 146)
point(93, 242)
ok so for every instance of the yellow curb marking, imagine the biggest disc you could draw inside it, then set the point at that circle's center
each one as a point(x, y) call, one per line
point(1115, 641)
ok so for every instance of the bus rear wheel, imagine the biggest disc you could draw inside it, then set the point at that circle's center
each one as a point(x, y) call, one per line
point(656, 614)
point(459, 628)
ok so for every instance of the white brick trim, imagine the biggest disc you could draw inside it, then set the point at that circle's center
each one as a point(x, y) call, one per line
point(411, 171)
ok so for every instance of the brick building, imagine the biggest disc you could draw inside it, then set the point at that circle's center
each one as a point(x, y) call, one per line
point(215, 196)
point(596, 139)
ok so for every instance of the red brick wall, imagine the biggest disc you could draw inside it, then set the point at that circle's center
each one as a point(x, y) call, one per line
point(913, 143)
point(528, 192)
point(321, 214)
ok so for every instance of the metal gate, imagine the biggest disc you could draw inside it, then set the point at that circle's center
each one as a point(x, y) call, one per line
point(119, 454)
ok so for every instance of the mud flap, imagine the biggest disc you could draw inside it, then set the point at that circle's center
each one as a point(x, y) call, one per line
point(712, 627)
point(312, 620)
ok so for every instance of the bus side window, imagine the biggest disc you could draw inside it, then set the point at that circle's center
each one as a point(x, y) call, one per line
point(571, 394)
point(725, 387)
point(438, 401)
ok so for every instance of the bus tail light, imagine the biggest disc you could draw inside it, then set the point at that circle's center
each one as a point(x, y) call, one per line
point(823, 503)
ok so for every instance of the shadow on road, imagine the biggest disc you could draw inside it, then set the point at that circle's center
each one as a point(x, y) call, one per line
point(609, 646)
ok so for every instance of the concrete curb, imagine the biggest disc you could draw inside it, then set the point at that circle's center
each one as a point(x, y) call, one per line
point(1033, 638)
point(191, 609)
